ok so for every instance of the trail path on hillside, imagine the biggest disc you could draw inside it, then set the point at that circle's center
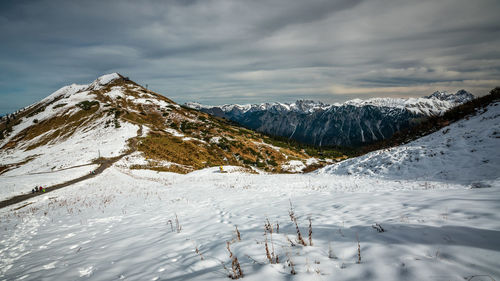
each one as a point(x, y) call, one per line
point(103, 165)
point(48, 172)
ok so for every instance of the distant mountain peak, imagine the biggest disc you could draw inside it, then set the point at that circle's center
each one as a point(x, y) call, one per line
point(460, 96)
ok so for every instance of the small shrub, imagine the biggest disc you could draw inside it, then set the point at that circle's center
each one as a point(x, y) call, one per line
point(250, 150)
point(87, 105)
point(223, 145)
point(272, 162)
point(41, 109)
point(261, 164)
point(247, 161)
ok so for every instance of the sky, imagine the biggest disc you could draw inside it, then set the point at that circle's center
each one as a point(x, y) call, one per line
point(239, 51)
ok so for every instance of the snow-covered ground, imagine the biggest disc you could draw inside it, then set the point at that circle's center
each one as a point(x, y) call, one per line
point(81, 148)
point(143, 225)
point(14, 183)
point(122, 225)
point(467, 152)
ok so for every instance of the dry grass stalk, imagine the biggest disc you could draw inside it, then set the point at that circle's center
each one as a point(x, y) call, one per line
point(171, 225)
point(378, 227)
point(268, 254)
point(178, 227)
point(229, 249)
point(271, 256)
point(199, 253)
point(331, 254)
point(290, 264)
point(310, 232)
point(359, 249)
point(300, 239)
point(236, 273)
point(238, 235)
point(291, 242)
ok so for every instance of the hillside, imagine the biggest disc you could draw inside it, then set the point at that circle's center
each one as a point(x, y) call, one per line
point(85, 124)
point(465, 151)
point(353, 123)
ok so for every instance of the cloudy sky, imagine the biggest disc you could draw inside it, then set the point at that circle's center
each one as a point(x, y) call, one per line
point(239, 51)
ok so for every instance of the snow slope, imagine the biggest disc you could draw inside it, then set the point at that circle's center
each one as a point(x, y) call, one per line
point(122, 225)
point(465, 152)
point(15, 183)
point(89, 141)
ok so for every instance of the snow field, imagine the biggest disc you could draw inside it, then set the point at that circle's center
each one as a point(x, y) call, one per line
point(465, 152)
point(116, 226)
point(81, 148)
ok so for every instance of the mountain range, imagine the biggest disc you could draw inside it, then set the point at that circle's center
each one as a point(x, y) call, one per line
point(114, 117)
point(353, 123)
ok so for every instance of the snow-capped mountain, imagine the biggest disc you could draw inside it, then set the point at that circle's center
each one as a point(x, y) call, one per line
point(461, 96)
point(465, 152)
point(112, 117)
point(352, 123)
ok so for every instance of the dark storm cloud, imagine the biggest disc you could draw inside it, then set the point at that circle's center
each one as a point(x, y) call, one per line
point(222, 51)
